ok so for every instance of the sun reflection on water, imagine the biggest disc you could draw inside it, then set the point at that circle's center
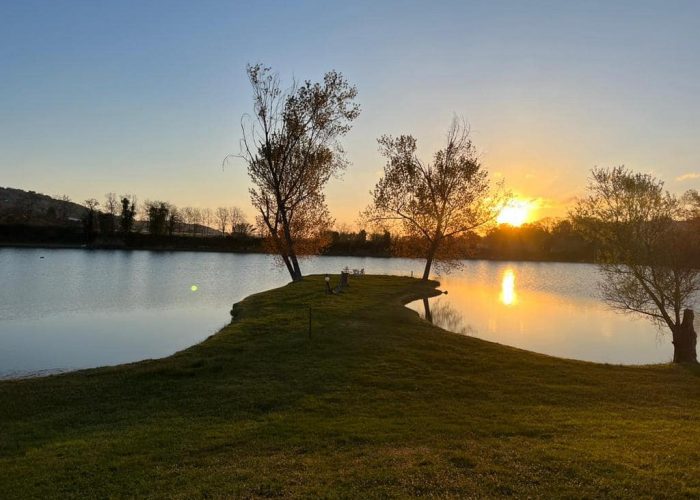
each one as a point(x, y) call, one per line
point(508, 295)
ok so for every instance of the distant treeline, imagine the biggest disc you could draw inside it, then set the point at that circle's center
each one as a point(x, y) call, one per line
point(28, 218)
point(541, 241)
point(537, 241)
point(546, 240)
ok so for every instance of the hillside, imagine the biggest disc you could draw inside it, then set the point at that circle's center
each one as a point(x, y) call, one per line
point(36, 209)
point(29, 208)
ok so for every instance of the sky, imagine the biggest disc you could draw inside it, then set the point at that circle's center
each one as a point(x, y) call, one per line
point(146, 97)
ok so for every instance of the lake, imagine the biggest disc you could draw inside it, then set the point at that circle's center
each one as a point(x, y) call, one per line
point(71, 309)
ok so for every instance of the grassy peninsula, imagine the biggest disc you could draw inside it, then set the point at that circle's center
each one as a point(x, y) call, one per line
point(375, 402)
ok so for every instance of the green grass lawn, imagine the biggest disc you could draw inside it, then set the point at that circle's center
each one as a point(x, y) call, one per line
point(376, 402)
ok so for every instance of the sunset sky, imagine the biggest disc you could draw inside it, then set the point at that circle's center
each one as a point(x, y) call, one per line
point(145, 97)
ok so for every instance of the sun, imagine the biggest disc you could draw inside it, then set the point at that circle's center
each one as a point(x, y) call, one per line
point(515, 213)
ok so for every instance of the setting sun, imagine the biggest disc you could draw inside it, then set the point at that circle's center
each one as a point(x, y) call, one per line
point(515, 213)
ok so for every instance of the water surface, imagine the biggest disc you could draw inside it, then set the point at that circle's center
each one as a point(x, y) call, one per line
point(550, 308)
point(71, 309)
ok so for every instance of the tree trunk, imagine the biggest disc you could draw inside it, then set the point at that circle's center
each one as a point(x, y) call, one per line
point(296, 275)
point(285, 259)
point(685, 340)
point(428, 265)
point(429, 261)
point(428, 314)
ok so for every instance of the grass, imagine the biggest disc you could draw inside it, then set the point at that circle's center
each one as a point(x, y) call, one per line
point(375, 403)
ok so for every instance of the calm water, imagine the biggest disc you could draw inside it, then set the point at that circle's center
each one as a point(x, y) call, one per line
point(70, 309)
point(549, 308)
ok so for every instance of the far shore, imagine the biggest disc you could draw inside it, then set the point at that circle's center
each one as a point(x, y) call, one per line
point(162, 248)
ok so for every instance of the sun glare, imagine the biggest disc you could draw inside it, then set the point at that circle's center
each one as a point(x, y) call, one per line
point(508, 295)
point(515, 213)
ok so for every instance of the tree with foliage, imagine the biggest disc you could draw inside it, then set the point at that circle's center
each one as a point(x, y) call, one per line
point(128, 214)
point(291, 148)
point(644, 249)
point(157, 213)
point(434, 202)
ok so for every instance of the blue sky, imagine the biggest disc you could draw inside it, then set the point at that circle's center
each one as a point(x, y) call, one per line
point(145, 97)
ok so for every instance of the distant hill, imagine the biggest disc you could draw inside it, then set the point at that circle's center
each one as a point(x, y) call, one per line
point(31, 208)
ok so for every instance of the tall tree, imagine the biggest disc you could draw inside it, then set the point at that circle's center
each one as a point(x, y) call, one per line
point(90, 217)
point(128, 213)
point(173, 219)
point(434, 202)
point(111, 207)
point(111, 204)
point(644, 250)
point(207, 217)
point(239, 223)
point(291, 148)
point(222, 216)
point(157, 213)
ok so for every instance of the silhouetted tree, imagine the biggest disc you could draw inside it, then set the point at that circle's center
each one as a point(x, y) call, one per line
point(291, 149)
point(434, 202)
point(107, 220)
point(63, 207)
point(196, 220)
point(222, 215)
point(236, 216)
point(128, 213)
point(691, 200)
point(90, 217)
point(644, 251)
point(173, 219)
point(207, 217)
point(157, 213)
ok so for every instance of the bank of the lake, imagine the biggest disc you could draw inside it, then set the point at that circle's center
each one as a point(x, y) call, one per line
point(375, 402)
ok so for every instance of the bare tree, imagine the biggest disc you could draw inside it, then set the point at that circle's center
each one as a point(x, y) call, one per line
point(644, 250)
point(222, 217)
point(691, 202)
point(207, 217)
point(111, 204)
point(187, 216)
point(197, 220)
point(236, 215)
point(239, 222)
point(174, 219)
point(63, 206)
point(111, 209)
point(91, 205)
point(434, 202)
point(291, 150)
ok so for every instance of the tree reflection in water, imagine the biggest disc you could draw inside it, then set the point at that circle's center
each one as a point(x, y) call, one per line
point(442, 314)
